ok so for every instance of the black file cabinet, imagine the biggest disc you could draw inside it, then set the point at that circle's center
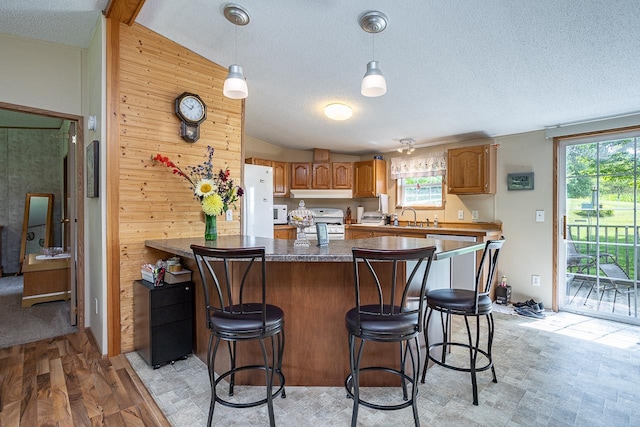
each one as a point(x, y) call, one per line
point(163, 321)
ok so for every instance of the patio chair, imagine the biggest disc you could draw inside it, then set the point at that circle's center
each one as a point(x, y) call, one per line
point(619, 280)
point(613, 278)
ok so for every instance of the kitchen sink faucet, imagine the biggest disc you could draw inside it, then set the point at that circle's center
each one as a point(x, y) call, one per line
point(415, 221)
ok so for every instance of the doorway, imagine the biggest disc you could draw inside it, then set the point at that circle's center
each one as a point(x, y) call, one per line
point(598, 195)
point(67, 132)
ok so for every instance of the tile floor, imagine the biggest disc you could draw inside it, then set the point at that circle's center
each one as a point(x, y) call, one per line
point(564, 370)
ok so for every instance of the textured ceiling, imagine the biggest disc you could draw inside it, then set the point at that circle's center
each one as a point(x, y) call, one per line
point(455, 69)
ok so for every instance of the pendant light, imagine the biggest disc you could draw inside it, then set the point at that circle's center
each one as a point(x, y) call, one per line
point(235, 85)
point(373, 82)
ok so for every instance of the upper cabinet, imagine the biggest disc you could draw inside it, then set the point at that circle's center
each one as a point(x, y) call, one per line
point(321, 176)
point(280, 175)
point(300, 175)
point(341, 175)
point(369, 178)
point(472, 170)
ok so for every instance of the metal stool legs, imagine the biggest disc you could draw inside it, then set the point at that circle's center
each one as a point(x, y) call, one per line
point(352, 383)
point(277, 350)
point(473, 346)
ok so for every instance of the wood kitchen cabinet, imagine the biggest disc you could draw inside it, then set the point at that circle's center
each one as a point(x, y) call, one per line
point(280, 179)
point(321, 176)
point(280, 174)
point(300, 175)
point(286, 232)
point(472, 170)
point(369, 178)
point(341, 175)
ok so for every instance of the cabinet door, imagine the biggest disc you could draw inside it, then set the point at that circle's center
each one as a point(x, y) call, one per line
point(300, 175)
point(359, 234)
point(369, 178)
point(471, 170)
point(256, 161)
point(321, 176)
point(341, 175)
point(280, 179)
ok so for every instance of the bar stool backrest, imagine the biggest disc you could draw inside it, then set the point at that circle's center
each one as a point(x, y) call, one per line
point(377, 273)
point(235, 288)
point(490, 255)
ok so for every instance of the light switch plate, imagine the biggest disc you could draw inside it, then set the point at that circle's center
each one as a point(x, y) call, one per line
point(461, 214)
point(474, 214)
point(229, 215)
point(539, 216)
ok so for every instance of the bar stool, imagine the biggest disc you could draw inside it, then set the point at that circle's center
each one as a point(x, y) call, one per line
point(467, 303)
point(387, 311)
point(229, 276)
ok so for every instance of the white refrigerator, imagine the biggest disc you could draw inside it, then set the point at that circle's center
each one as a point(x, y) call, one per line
point(257, 209)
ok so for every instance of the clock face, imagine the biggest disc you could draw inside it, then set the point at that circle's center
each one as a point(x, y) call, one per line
point(191, 109)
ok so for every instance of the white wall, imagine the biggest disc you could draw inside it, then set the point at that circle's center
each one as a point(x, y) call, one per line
point(67, 80)
point(41, 75)
point(529, 246)
point(95, 225)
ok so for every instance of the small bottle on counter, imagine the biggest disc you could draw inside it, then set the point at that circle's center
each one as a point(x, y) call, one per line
point(435, 220)
point(503, 281)
point(395, 219)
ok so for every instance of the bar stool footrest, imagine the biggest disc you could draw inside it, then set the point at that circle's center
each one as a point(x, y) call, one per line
point(458, 368)
point(248, 404)
point(408, 402)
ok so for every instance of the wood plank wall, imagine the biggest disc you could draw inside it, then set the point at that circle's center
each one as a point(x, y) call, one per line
point(154, 203)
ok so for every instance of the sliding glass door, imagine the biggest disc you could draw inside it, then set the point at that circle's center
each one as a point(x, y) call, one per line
point(599, 205)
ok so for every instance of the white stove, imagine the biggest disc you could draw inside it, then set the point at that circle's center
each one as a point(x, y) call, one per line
point(334, 218)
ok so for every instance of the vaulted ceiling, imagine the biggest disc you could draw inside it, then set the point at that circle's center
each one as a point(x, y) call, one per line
point(455, 69)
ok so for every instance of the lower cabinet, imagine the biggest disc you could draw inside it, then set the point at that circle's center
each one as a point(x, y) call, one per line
point(286, 232)
point(163, 321)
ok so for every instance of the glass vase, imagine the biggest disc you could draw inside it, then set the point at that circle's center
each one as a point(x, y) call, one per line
point(210, 228)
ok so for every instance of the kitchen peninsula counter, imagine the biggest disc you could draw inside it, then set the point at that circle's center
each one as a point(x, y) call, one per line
point(314, 286)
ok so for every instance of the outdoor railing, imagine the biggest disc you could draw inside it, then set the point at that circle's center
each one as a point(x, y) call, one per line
point(617, 241)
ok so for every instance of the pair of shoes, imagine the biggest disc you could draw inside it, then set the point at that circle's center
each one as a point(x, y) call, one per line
point(529, 312)
point(537, 307)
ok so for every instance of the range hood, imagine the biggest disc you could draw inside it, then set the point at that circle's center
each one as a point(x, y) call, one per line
point(321, 194)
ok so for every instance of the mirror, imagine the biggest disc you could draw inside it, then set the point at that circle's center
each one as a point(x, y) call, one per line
point(37, 227)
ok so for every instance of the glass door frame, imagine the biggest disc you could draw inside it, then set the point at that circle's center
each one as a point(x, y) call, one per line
point(560, 228)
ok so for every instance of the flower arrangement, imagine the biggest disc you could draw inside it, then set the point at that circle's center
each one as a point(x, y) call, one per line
point(215, 191)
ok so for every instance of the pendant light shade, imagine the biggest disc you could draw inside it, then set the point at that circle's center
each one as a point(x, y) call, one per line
point(373, 82)
point(235, 86)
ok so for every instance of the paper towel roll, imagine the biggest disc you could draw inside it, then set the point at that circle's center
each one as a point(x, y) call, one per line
point(383, 203)
point(359, 213)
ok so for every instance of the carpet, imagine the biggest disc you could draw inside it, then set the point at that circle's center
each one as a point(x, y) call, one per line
point(19, 325)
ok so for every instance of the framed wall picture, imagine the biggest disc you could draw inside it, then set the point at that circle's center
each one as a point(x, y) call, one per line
point(520, 181)
point(322, 234)
point(93, 169)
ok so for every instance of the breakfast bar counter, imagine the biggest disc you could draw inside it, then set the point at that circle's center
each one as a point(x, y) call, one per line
point(314, 286)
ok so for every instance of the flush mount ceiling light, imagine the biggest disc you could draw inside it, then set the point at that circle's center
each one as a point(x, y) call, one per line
point(406, 144)
point(235, 85)
point(338, 111)
point(373, 82)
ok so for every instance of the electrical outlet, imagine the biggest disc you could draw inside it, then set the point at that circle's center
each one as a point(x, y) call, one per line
point(461, 214)
point(539, 216)
point(229, 215)
point(474, 214)
point(535, 280)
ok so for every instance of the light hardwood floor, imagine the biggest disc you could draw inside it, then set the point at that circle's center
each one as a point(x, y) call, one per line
point(64, 381)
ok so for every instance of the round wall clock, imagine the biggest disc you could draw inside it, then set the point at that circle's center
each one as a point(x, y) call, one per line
point(192, 111)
